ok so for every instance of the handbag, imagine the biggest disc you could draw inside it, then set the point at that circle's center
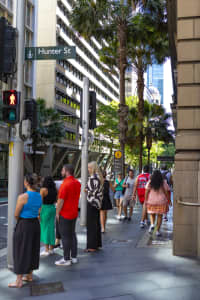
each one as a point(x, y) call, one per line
point(124, 189)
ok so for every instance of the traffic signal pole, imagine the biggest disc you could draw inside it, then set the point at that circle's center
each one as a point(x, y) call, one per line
point(16, 146)
point(84, 150)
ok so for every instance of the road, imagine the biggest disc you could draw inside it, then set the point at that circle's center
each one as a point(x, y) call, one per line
point(3, 225)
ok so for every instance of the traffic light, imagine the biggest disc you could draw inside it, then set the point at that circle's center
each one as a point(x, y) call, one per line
point(11, 106)
point(7, 47)
point(92, 110)
point(31, 112)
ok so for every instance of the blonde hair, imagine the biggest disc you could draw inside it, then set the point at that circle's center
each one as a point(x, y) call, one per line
point(96, 170)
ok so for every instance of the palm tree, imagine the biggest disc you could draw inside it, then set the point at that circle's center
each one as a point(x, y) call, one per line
point(148, 44)
point(109, 20)
point(154, 128)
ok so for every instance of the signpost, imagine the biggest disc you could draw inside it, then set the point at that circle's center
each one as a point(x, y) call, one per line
point(42, 53)
point(117, 162)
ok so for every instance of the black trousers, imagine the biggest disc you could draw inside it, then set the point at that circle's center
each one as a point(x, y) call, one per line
point(68, 236)
point(26, 246)
point(58, 236)
point(93, 227)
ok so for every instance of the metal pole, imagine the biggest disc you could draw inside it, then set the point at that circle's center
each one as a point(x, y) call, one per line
point(16, 147)
point(84, 150)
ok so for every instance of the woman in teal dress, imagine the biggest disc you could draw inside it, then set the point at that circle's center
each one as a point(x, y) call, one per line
point(47, 215)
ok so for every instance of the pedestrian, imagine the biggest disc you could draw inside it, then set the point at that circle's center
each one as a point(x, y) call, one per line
point(58, 242)
point(156, 199)
point(168, 177)
point(128, 200)
point(26, 239)
point(48, 215)
point(67, 213)
point(94, 202)
point(139, 188)
point(119, 194)
point(106, 202)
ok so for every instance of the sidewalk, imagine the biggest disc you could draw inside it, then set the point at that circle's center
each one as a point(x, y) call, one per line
point(131, 266)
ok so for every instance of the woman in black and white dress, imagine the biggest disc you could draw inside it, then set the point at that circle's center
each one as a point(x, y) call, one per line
point(94, 201)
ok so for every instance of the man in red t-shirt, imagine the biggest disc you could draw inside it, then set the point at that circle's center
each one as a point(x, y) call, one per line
point(67, 213)
point(139, 187)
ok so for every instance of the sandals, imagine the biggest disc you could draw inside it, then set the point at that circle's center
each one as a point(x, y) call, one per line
point(15, 285)
point(27, 279)
point(90, 250)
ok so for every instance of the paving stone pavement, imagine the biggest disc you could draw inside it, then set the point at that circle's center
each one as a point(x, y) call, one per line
point(131, 266)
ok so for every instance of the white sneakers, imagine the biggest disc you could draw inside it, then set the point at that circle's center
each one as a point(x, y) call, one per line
point(46, 253)
point(65, 263)
point(151, 228)
point(74, 260)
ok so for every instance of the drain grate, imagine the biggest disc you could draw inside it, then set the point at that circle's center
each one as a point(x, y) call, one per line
point(46, 288)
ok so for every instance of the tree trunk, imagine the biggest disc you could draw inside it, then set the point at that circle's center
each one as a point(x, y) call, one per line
point(140, 89)
point(123, 108)
point(149, 152)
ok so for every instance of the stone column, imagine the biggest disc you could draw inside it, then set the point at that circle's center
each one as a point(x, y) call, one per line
point(187, 159)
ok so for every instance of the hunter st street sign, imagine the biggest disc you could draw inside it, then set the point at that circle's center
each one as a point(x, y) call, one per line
point(42, 53)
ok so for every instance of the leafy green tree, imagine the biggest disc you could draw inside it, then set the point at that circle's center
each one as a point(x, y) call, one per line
point(112, 21)
point(155, 127)
point(50, 128)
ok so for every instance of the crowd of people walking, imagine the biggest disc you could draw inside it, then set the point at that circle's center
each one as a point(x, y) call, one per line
point(49, 216)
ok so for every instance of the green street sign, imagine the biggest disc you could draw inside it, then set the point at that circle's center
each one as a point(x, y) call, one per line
point(42, 53)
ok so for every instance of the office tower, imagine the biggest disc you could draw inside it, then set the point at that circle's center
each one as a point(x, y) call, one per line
point(155, 78)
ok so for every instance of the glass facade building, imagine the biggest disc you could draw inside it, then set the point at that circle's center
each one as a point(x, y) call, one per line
point(155, 78)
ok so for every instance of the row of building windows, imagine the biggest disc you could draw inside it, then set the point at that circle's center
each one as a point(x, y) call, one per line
point(62, 79)
point(65, 99)
point(70, 136)
point(78, 42)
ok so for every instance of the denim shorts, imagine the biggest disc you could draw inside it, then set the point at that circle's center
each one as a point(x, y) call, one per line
point(118, 195)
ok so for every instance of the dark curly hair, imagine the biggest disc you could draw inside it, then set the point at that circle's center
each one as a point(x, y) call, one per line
point(49, 183)
point(156, 180)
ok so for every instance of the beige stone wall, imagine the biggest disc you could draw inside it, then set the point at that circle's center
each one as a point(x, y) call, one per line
point(45, 85)
point(187, 160)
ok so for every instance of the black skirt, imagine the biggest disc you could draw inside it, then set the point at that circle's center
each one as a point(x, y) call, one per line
point(93, 227)
point(26, 243)
point(106, 203)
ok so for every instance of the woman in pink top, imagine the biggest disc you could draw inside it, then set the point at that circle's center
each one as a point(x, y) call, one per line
point(157, 199)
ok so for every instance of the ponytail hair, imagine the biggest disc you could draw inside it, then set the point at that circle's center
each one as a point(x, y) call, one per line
point(32, 180)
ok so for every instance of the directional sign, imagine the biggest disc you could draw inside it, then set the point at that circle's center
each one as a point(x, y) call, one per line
point(118, 154)
point(41, 53)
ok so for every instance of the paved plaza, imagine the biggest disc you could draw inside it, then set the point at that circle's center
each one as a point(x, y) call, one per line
point(131, 266)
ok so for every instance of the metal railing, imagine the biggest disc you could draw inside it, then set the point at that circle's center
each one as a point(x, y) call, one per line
point(187, 203)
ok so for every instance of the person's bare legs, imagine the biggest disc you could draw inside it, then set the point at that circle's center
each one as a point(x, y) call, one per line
point(159, 222)
point(144, 213)
point(103, 220)
point(47, 248)
point(152, 219)
point(125, 210)
point(120, 208)
point(18, 283)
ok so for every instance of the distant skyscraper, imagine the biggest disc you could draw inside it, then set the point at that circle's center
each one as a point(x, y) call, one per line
point(155, 78)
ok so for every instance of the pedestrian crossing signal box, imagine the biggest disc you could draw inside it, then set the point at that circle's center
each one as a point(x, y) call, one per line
point(11, 106)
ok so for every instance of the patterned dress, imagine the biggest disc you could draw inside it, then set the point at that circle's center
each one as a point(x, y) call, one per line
point(94, 201)
point(157, 202)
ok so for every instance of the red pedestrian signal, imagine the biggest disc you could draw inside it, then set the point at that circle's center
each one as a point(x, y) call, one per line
point(11, 106)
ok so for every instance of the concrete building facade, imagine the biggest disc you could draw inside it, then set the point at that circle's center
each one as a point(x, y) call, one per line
point(187, 159)
point(60, 82)
point(8, 10)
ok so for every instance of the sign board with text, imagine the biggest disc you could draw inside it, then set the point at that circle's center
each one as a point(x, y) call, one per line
point(49, 53)
point(117, 162)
